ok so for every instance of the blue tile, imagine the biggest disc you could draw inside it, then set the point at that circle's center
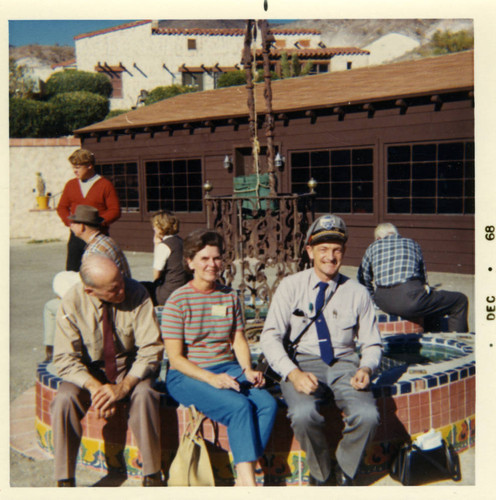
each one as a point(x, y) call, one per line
point(453, 376)
point(54, 383)
point(471, 370)
point(405, 387)
point(439, 341)
point(382, 318)
point(431, 381)
point(464, 373)
point(443, 379)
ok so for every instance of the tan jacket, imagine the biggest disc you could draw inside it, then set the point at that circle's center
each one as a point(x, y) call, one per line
point(79, 333)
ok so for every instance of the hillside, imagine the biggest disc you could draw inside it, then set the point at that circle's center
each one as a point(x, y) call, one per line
point(362, 32)
point(335, 33)
point(45, 54)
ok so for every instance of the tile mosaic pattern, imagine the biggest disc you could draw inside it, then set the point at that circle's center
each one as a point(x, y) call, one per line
point(439, 395)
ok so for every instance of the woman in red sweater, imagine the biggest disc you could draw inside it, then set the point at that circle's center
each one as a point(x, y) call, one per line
point(87, 188)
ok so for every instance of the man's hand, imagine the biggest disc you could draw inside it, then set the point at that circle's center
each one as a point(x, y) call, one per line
point(105, 396)
point(305, 382)
point(361, 379)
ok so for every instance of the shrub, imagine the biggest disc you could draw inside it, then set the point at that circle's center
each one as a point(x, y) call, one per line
point(116, 112)
point(80, 109)
point(161, 93)
point(232, 78)
point(30, 118)
point(74, 81)
point(446, 42)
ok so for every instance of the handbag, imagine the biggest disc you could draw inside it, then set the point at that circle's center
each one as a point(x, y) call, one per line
point(289, 346)
point(191, 465)
point(414, 466)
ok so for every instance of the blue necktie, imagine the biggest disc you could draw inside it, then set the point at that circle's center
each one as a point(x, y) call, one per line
point(326, 351)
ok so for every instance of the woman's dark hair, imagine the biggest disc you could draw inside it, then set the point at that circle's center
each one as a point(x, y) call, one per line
point(197, 240)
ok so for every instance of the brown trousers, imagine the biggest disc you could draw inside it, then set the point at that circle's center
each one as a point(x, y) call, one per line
point(71, 404)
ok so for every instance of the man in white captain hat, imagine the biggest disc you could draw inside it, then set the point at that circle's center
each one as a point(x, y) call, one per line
point(341, 316)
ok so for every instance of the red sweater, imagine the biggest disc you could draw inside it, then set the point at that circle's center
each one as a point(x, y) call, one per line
point(102, 196)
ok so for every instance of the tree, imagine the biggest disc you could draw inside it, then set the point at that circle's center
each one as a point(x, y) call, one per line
point(20, 84)
point(74, 81)
point(165, 92)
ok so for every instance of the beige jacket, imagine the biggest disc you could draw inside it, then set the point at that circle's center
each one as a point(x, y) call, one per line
point(79, 334)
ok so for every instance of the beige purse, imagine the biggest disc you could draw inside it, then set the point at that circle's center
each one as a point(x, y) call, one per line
point(191, 465)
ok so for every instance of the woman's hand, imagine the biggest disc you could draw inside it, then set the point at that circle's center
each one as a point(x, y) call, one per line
point(255, 377)
point(223, 381)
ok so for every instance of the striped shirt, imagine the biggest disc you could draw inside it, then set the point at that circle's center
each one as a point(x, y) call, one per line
point(106, 246)
point(390, 261)
point(205, 322)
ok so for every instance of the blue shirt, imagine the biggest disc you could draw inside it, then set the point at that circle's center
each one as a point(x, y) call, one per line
point(390, 261)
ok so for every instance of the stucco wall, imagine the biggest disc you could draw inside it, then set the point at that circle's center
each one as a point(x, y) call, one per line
point(28, 156)
point(144, 55)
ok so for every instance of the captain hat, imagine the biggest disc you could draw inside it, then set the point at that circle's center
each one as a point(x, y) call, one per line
point(327, 227)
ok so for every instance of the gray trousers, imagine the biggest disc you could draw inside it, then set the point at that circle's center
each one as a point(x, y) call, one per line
point(411, 301)
point(360, 415)
point(71, 404)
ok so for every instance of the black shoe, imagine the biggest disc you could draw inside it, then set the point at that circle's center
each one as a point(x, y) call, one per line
point(66, 483)
point(153, 479)
point(316, 482)
point(342, 479)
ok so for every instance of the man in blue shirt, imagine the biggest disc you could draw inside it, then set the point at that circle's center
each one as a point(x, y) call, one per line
point(393, 271)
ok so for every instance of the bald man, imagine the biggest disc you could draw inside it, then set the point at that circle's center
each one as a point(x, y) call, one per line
point(104, 361)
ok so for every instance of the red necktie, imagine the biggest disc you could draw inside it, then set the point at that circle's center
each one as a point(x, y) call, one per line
point(108, 345)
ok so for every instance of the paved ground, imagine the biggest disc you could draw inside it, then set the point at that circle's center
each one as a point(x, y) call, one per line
point(32, 268)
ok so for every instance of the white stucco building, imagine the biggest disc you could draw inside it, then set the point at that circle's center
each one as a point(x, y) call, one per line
point(140, 56)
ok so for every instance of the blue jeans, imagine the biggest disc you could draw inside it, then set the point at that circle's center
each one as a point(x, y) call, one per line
point(248, 415)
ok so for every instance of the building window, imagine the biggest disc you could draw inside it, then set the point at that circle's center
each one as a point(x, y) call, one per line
point(344, 176)
point(174, 185)
point(191, 44)
point(319, 68)
point(431, 178)
point(193, 79)
point(124, 177)
point(348, 65)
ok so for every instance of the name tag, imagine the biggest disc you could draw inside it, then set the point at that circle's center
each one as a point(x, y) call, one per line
point(219, 311)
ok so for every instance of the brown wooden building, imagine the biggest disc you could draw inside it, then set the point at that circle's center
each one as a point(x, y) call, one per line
point(386, 143)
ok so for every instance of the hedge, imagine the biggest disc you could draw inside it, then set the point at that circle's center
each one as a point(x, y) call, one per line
point(30, 118)
point(74, 81)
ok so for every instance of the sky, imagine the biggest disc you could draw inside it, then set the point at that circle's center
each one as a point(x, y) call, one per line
point(50, 32)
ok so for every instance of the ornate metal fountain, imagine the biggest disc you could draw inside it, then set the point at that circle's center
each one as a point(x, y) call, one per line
point(263, 230)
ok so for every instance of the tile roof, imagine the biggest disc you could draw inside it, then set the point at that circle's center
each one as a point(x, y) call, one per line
point(423, 77)
point(229, 31)
point(64, 64)
point(114, 28)
point(316, 52)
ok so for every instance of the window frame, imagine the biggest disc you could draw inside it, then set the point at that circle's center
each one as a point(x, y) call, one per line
point(436, 143)
point(351, 148)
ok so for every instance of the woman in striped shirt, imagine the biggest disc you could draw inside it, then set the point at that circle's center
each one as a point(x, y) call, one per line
point(209, 357)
